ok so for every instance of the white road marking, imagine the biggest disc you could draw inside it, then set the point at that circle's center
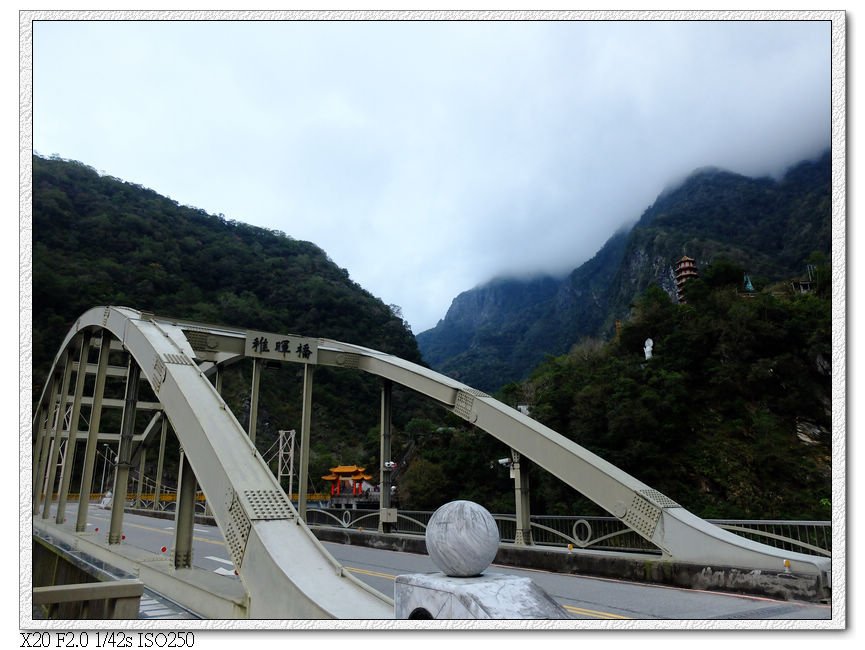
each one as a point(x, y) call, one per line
point(219, 559)
point(223, 572)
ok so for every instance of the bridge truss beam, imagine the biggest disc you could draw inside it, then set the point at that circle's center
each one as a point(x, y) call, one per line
point(286, 572)
point(272, 548)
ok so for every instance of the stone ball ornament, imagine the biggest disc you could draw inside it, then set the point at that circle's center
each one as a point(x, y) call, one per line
point(462, 538)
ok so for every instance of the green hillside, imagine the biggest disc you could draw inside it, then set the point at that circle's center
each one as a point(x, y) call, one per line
point(99, 240)
point(731, 415)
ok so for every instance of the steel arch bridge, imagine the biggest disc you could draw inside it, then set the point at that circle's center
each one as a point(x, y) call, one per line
point(285, 572)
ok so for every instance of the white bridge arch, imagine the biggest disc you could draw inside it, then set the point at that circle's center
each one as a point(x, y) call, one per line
point(285, 571)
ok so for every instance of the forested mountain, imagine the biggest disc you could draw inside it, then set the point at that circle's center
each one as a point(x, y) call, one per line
point(500, 331)
point(730, 417)
point(98, 240)
point(730, 414)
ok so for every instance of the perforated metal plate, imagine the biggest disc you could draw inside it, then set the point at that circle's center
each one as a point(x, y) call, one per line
point(267, 504)
point(463, 405)
point(179, 359)
point(237, 532)
point(348, 360)
point(642, 517)
point(158, 373)
point(200, 339)
point(659, 499)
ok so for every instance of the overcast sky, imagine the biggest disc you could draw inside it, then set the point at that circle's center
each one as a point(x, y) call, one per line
point(428, 157)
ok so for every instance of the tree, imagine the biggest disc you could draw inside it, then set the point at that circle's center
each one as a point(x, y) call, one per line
point(421, 486)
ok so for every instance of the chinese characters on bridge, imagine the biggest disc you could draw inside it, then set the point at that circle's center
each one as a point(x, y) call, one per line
point(281, 347)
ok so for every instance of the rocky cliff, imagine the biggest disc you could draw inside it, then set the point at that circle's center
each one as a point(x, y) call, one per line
point(498, 332)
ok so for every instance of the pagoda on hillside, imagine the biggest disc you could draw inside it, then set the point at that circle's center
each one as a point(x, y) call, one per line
point(345, 479)
point(686, 268)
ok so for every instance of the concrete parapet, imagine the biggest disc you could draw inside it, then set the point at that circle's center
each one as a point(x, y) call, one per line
point(624, 566)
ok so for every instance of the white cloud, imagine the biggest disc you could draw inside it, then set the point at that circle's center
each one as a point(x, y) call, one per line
point(428, 157)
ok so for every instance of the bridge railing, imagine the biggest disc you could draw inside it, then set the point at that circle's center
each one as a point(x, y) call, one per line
point(812, 537)
point(598, 533)
point(120, 599)
point(167, 500)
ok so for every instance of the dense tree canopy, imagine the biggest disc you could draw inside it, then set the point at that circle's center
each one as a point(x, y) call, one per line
point(731, 414)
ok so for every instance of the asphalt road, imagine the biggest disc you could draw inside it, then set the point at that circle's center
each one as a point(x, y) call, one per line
point(583, 597)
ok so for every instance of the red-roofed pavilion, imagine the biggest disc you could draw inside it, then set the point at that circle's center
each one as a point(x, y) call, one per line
point(350, 474)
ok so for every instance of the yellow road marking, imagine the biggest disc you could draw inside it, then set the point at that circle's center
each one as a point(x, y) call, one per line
point(375, 574)
point(592, 612)
point(169, 532)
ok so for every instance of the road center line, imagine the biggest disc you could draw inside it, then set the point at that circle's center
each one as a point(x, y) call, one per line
point(170, 532)
point(593, 613)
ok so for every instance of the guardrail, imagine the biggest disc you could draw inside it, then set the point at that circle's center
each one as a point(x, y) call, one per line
point(68, 584)
point(598, 533)
point(120, 599)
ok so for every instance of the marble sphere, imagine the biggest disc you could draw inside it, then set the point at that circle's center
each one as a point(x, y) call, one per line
point(462, 538)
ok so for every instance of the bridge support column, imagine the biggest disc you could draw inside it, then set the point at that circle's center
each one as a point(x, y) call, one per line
point(93, 434)
point(305, 424)
point(157, 490)
point(124, 453)
point(217, 380)
point(385, 515)
point(253, 397)
point(217, 384)
point(141, 465)
point(184, 518)
point(60, 416)
point(520, 474)
point(42, 445)
point(69, 462)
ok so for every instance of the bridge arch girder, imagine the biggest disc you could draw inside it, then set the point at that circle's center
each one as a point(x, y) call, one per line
point(253, 512)
point(681, 535)
point(285, 570)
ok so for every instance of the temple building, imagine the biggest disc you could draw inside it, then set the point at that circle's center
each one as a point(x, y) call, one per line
point(686, 268)
point(347, 479)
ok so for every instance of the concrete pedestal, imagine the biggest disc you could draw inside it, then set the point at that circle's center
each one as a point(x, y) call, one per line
point(488, 596)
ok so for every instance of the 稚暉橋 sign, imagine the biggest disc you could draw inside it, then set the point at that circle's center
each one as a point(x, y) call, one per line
point(281, 347)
